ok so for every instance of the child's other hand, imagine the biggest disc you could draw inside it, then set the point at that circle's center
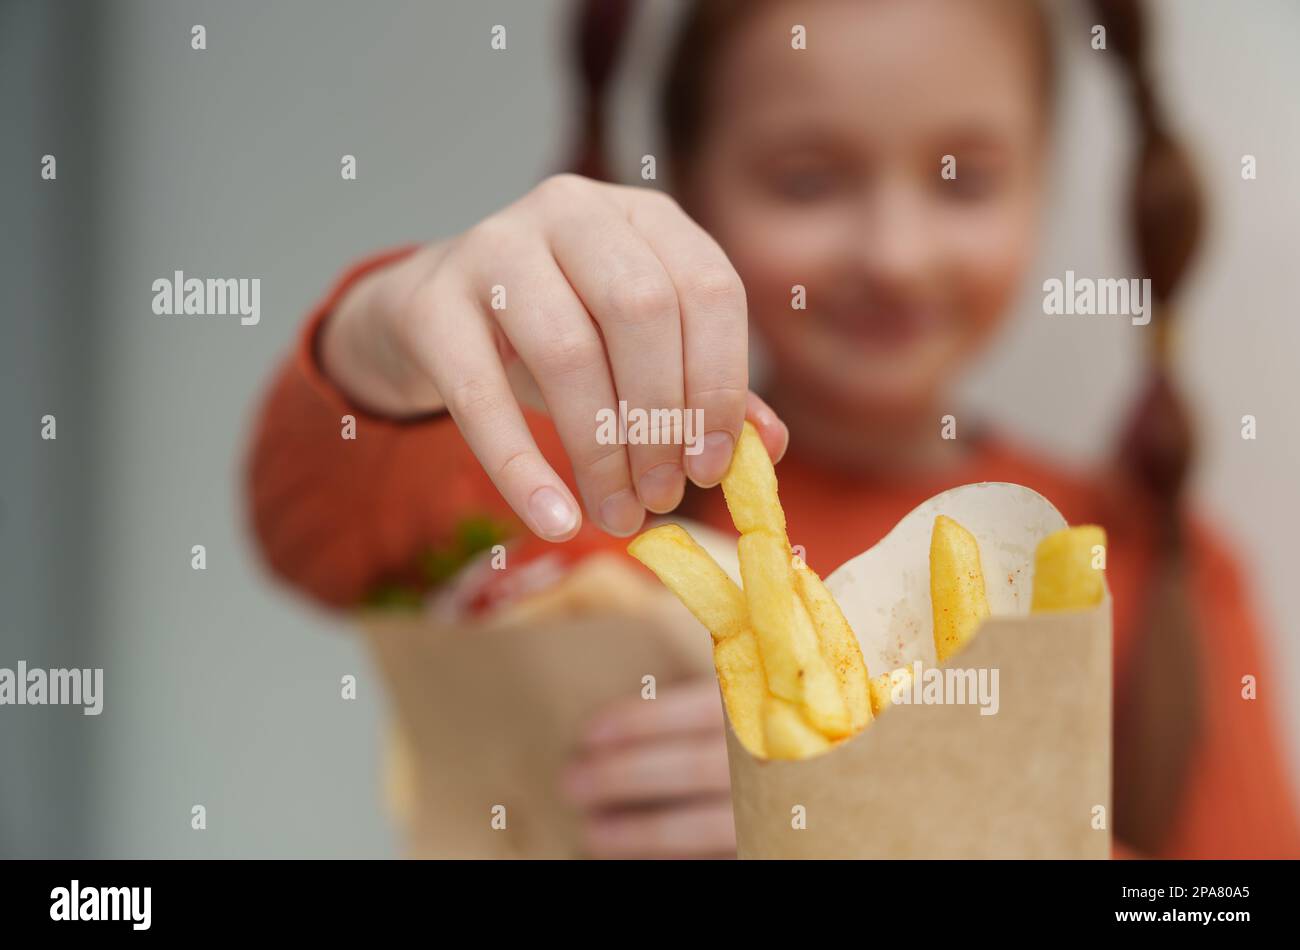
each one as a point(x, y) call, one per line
point(651, 777)
point(585, 294)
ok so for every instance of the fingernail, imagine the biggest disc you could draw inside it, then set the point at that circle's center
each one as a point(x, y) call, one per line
point(621, 513)
point(661, 488)
point(710, 465)
point(553, 515)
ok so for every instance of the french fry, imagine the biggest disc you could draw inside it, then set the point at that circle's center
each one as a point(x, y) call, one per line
point(883, 686)
point(784, 625)
point(750, 487)
point(796, 670)
point(786, 733)
point(699, 582)
point(1067, 574)
point(839, 644)
point(703, 586)
point(744, 688)
point(956, 586)
point(823, 703)
point(790, 667)
point(765, 570)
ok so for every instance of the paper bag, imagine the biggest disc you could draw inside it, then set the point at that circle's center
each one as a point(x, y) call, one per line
point(488, 712)
point(1030, 780)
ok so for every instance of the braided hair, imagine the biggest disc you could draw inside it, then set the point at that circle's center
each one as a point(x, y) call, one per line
point(1157, 712)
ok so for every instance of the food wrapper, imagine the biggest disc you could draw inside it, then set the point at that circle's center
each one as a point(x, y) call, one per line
point(1031, 780)
point(488, 708)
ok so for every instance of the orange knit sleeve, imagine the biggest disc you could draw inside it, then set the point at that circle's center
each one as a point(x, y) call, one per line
point(1240, 801)
point(336, 517)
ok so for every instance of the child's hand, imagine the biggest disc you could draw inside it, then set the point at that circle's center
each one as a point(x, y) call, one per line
point(652, 780)
point(583, 292)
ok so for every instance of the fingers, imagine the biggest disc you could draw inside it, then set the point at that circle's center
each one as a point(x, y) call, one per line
point(632, 298)
point(627, 320)
point(550, 330)
point(681, 710)
point(472, 382)
point(645, 773)
point(703, 829)
point(773, 432)
point(653, 779)
point(714, 328)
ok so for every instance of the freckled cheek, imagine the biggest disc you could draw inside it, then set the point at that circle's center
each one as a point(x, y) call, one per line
point(989, 258)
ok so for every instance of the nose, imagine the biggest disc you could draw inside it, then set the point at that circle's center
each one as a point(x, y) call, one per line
point(897, 246)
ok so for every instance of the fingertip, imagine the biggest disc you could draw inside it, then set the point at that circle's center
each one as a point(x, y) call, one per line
point(552, 514)
point(778, 441)
point(774, 433)
point(662, 487)
point(621, 514)
point(707, 468)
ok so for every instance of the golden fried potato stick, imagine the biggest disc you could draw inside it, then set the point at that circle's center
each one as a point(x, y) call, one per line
point(956, 586)
point(744, 688)
point(703, 586)
point(1068, 574)
point(781, 640)
point(796, 664)
point(787, 735)
point(883, 686)
point(750, 487)
point(699, 582)
point(796, 669)
point(839, 644)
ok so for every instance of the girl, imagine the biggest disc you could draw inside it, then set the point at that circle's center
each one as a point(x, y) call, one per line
point(819, 168)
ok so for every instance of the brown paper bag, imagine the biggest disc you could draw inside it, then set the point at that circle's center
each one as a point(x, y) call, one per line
point(1031, 780)
point(489, 711)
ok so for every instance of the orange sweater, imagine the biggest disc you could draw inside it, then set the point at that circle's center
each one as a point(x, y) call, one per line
point(335, 517)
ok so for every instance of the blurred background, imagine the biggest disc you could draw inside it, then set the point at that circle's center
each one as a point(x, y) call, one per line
point(222, 689)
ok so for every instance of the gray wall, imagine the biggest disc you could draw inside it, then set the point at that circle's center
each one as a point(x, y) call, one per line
point(226, 162)
point(224, 690)
point(44, 367)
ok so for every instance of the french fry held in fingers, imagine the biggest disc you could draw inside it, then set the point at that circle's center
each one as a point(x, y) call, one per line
point(789, 665)
point(956, 586)
point(750, 487)
point(1069, 569)
point(801, 654)
point(707, 592)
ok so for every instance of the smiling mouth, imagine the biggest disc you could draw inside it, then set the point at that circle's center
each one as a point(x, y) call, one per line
point(881, 327)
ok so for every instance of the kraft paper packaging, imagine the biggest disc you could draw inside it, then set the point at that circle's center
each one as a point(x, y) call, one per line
point(1031, 780)
point(489, 711)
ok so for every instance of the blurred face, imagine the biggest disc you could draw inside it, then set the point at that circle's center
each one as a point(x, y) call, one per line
point(822, 168)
